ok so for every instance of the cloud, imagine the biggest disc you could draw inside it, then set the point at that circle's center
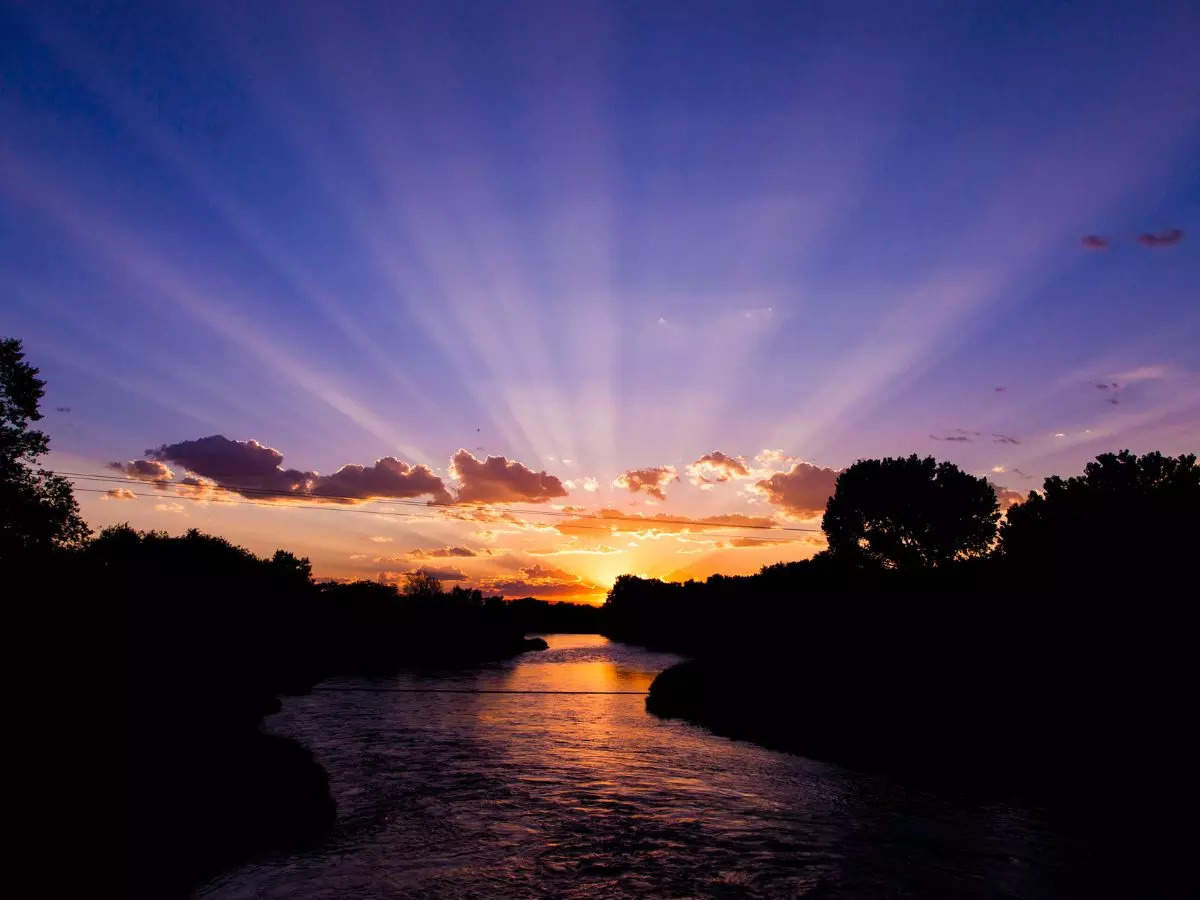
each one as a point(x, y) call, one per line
point(609, 522)
point(255, 470)
point(1094, 242)
point(441, 552)
point(388, 477)
point(1168, 238)
point(590, 484)
point(446, 574)
point(1003, 439)
point(541, 581)
point(598, 550)
point(169, 507)
point(144, 470)
point(748, 542)
point(119, 494)
point(959, 435)
point(236, 465)
point(500, 480)
point(1006, 497)
point(380, 539)
point(197, 488)
point(772, 457)
point(1142, 373)
point(716, 467)
point(651, 480)
point(358, 556)
point(802, 490)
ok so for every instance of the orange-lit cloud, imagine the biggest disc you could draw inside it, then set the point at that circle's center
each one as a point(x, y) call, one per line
point(652, 480)
point(144, 470)
point(448, 574)
point(613, 521)
point(441, 552)
point(1007, 498)
point(198, 488)
point(772, 458)
point(119, 494)
point(541, 581)
point(716, 467)
point(500, 480)
point(802, 490)
point(589, 484)
point(572, 550)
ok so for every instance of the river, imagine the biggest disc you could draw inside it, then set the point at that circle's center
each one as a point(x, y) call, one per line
point(586, 794)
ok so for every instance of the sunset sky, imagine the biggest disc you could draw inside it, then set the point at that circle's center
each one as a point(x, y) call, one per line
point(583, 288)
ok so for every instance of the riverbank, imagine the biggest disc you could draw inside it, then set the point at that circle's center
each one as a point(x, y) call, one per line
point(1039, 694)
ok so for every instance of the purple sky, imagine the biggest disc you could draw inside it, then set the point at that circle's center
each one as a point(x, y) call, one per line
point(601, 238)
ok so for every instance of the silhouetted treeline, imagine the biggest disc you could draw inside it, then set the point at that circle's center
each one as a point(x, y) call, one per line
point(550, 616)
point(1127, 523)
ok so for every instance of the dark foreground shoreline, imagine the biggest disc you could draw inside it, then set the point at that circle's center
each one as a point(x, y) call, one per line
point(207, 794)
point(1076, 707)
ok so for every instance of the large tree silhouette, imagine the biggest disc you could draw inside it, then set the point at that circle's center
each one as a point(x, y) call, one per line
point(1126, 517)
point(909, 512)
point(38, 512)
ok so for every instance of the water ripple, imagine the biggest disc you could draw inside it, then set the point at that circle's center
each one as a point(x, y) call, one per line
point(529, 795)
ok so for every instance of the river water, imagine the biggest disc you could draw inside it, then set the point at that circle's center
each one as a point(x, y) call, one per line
point(583, 795)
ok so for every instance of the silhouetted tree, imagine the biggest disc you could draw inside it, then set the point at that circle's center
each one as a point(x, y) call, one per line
point(291, 569)
point(38, 512)
point(1126, 518)
point(902, 512)
point(421, 584)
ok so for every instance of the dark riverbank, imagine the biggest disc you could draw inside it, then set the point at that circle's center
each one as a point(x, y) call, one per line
point(1075, 705)
point(1033, 694)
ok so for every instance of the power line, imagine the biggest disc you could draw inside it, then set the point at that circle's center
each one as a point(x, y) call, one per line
point(648, 523)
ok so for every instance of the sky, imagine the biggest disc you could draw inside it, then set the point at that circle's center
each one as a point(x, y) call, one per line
point(527, 296)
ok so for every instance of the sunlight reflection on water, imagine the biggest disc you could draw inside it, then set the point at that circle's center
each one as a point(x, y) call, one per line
point(519, 795)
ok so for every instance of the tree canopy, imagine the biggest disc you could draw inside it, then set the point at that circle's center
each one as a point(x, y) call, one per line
point(906, 512)
point(38, 512)
point(1124, 516)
